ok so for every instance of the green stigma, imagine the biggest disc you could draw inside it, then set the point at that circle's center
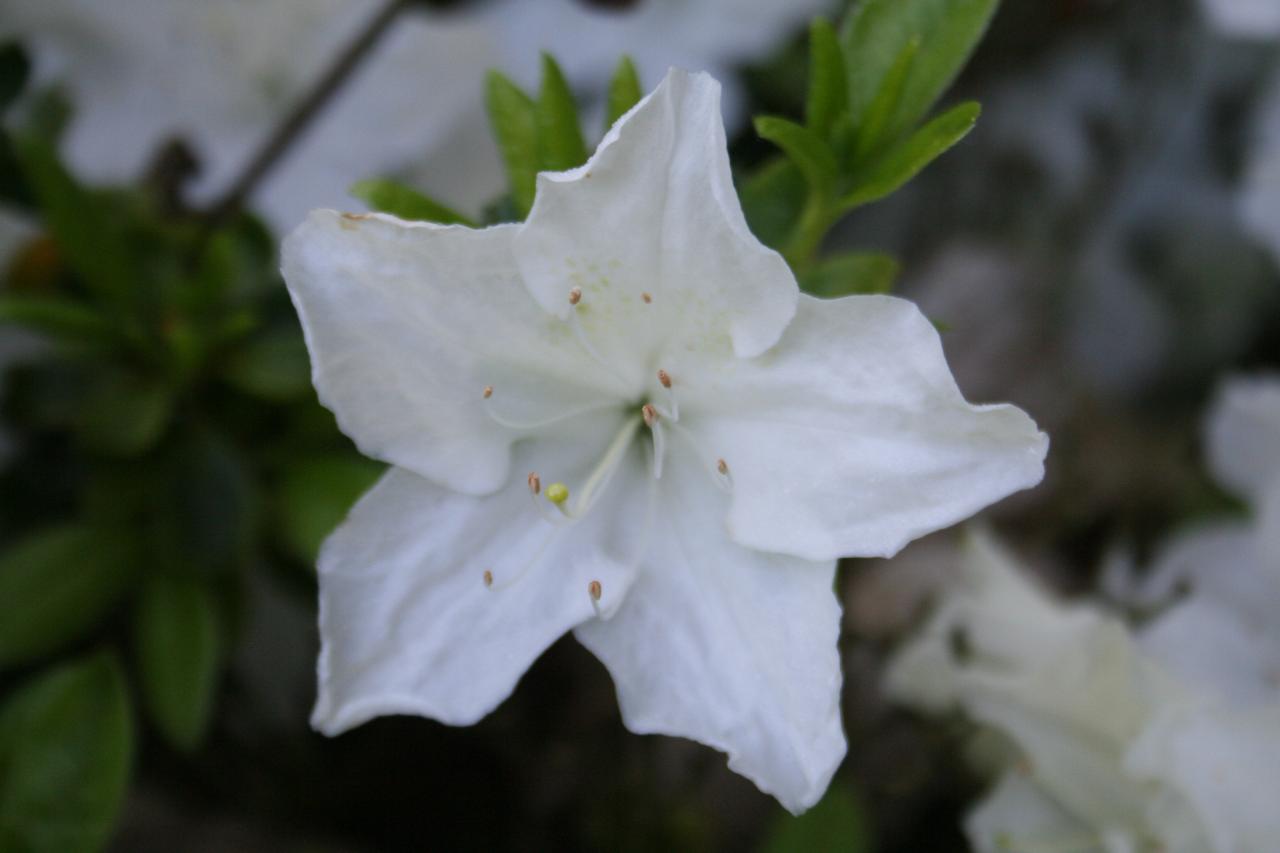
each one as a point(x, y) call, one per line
point(557, 493)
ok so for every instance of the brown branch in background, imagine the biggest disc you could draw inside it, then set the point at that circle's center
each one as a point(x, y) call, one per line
point(304, 112)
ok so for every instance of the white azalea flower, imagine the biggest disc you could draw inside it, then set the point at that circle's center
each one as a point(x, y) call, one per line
point(1248, 19)
point(705, 442)
point(1109, 752)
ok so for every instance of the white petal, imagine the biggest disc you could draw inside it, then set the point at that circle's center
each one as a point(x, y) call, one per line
point(1017, 815)
point(654, 211)
point(731, 647)
point(407, 622)
point(1244, 434)
point(851, 438)
point(408, 322)
point(1207, 644)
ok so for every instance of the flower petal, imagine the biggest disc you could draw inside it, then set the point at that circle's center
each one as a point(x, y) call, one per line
point(851, 438)
point(1017, 814)
point(731, 647)
point(407, 621)
point(1243, 435)
point(654, 212)
point(408, 322)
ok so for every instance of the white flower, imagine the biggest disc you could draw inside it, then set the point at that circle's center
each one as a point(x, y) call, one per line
point(706, 442)
point(1247, 19)
point(1109, 752)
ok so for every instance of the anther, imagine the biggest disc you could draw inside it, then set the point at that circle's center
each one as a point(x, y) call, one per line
point(722, 467)
point(488, 391)
point(595, 590)
point(650, 414)
point(488, 578)
point(664, 378)
point(575, 296)
point(557, 493)
point(646, 297)
point(535, 482)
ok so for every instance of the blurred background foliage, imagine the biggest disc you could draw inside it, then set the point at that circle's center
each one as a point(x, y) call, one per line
point(168, 476)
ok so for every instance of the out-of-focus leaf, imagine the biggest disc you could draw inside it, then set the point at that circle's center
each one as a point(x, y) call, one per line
point(66, 745)
point(809, 151)
point(853, 273)
point(15, 69)
point(560, 144)
point(512, 115)
point(624, 91)
point(315, 495)
point(834, 825)
point(64, 320)
point(56, 585)
point(273, 366)
point(871, 132)
point(904, 162)
point(124, 414)
point(388, 196)
point(88, 236)
point(772, 200)
point(207, 503)
point(178, 647)
point(874, 35)
point(46, 113)
point(828, 89)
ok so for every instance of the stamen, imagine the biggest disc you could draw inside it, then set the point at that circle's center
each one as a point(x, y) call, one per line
point(650, 414)
point(488, 391)
point(575, 296)
point(595, 591)
point(722, 467)
point(664, 378)
point(527, 426)
point(646, 297)
point(659, 447)
point(535, 482)
point(488, 579)
point(719, 471)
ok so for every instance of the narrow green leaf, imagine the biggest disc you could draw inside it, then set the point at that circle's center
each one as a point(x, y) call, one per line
point(810, 152)
point(88, 236)
point(315, 495)
point(388, 196)
point(773, 200)
point(828, 87)
point(512, 115)
point(560, 144)
point(875, 33)
point(64, 320)
point(178, 647)
point(904, 162)
point(852, 273)
point(624, 91)
point(871, 133)
point(66, 745)
point(124, 414)
point(273, 366)
point(55, 586)
point(835, 825)
point(15, 70)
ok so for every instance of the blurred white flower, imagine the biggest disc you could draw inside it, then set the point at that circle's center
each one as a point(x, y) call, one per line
point(222, 75)
point(1247, 19)
point(706, 440)
point(1108, 750)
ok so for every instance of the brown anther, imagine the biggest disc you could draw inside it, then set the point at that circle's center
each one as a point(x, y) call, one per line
point(595, 590)
point(535, 482)
point(650, 414)
point(646, 297)
point(664, 378)
point(722, 467)
point(488, 578)
point(575, 296)
point(488, 391)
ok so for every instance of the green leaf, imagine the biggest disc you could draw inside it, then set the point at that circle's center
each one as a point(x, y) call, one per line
point(315, 495)
point(874, 35)
point(871, 133)
point(178, 647)
point(66, 745)
point(15, 70)
point(853, 273)
point(512, 115)
point(828, 87)
point(773, 200)
point(56, 585)
point(88, 235)
point(273, 366)
point(834, 825)
point(64, 320)
point(208, 505)
point(809, 151)
point(624, 91)
point(904, 162)
point(387, 196)
point(560, 144)
point(124, 414)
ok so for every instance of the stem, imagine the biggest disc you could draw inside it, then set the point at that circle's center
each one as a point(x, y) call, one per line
point(816, 219)
point(296, 121)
